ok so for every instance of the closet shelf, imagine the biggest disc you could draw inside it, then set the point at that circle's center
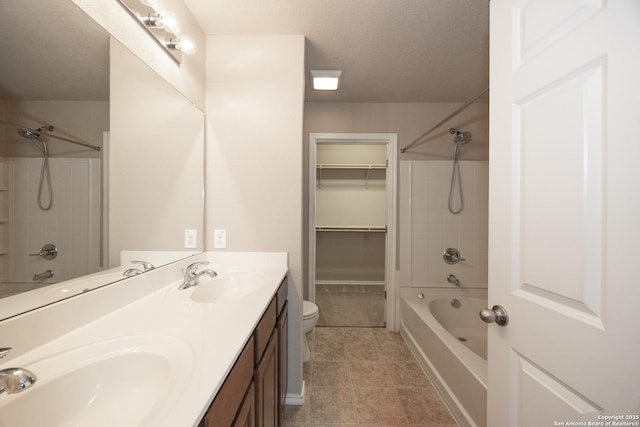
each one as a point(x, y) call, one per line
point(351, 229)
point(351, 166)
point(364, 167)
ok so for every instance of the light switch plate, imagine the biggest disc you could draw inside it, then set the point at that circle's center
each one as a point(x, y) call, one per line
point(190, 238)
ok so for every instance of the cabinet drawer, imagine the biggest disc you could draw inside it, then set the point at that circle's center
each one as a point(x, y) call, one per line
point(264, 329)
point(223, 410)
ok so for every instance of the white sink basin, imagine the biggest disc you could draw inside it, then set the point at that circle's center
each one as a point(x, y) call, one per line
point(122, 382)
point(228, 286)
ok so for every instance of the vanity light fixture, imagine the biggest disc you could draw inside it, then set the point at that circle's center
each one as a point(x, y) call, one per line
point(326, 79)
point(184, 44)
point(162, 25)
point(166, 20)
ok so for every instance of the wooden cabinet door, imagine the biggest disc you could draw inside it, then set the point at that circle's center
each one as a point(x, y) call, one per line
point(283, 344)
point(267, 382)
point(246, 416)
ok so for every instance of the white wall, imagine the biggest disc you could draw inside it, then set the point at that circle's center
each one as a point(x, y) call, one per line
point(254, 108)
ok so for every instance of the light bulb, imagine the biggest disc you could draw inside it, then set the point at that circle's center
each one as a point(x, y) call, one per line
point(187, 45)
point(169, 21)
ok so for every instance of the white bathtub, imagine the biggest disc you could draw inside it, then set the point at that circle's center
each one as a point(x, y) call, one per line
point(451, 345)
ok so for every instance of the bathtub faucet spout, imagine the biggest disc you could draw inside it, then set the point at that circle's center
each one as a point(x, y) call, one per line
point(453, 279)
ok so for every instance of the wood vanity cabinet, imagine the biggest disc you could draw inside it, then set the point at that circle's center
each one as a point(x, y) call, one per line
point(253, 392)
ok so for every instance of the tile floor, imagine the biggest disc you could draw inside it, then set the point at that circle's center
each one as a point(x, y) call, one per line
point(351, 305)
point(365, 377)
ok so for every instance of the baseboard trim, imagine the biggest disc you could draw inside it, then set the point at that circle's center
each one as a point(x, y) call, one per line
point(295, 399)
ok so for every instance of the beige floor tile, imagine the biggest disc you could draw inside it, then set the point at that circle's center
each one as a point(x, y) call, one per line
point(329, 350)
point(365, 377)
point(395, 351)
point(408, 374)
point(379, 405)
point(331, 405)
point(362, 350)
point(334, 373)
point(423, 406)
point(358, 334)
point(369, 374)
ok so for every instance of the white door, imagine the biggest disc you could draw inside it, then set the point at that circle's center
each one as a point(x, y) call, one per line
point(565, 212)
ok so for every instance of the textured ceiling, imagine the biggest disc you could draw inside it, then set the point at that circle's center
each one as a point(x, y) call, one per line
point(51, 50)
point(389, 50)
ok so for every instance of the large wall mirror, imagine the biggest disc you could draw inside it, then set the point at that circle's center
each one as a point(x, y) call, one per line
point(66, 86)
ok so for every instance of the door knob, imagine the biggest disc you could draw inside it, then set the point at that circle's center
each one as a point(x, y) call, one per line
point(496, 314)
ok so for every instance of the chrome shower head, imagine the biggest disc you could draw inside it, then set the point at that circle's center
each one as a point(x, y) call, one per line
point(28, 134)
point(460, 137)
point(34, 134)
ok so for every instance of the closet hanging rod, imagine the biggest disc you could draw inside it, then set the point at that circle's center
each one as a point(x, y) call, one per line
point(93, 147)
point(450, 116)
point(352, 229)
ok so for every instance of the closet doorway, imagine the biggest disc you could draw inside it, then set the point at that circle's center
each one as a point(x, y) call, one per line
point(352, 228)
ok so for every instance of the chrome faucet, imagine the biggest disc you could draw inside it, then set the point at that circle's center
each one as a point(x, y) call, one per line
point(44, 275)
point(134, 271)
point(15, 380)
point(192, 276)
point(453, 279)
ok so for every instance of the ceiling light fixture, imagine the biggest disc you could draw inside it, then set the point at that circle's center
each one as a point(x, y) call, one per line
point(326, 79)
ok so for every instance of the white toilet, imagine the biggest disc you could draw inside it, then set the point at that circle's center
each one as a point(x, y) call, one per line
point(309, 319)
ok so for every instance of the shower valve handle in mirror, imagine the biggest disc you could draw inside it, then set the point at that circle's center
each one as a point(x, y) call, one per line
point(496, 314)
point(452, 256)
point(48, 252)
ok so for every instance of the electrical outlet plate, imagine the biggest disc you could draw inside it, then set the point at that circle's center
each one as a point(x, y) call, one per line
point(220, 238)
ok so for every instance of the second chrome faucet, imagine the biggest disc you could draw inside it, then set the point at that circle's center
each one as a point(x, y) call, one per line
point(192, 275)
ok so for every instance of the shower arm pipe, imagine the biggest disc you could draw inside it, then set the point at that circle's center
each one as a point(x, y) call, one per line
point(93, 147)
point(450, 116)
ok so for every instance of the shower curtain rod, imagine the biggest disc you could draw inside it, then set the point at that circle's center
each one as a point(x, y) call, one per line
point(93, 147)
point(471, 101)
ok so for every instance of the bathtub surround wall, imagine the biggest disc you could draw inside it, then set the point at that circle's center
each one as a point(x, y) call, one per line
point(74, 221)
point(427, 228)
point(72, 224)
point(255, 99)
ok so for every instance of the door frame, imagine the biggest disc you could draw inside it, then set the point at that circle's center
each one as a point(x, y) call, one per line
point(391, 141)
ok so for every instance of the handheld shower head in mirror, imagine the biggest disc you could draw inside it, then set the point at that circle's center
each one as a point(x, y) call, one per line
point(460, 137)
point(34, 134)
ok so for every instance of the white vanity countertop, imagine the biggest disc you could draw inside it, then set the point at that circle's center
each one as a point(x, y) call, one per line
point(213, 334)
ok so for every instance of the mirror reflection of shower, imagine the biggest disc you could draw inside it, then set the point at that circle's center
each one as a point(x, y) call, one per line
point(459, 139)
point(40, 136)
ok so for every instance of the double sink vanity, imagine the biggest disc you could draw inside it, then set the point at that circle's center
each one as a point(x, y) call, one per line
point(143, 352)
